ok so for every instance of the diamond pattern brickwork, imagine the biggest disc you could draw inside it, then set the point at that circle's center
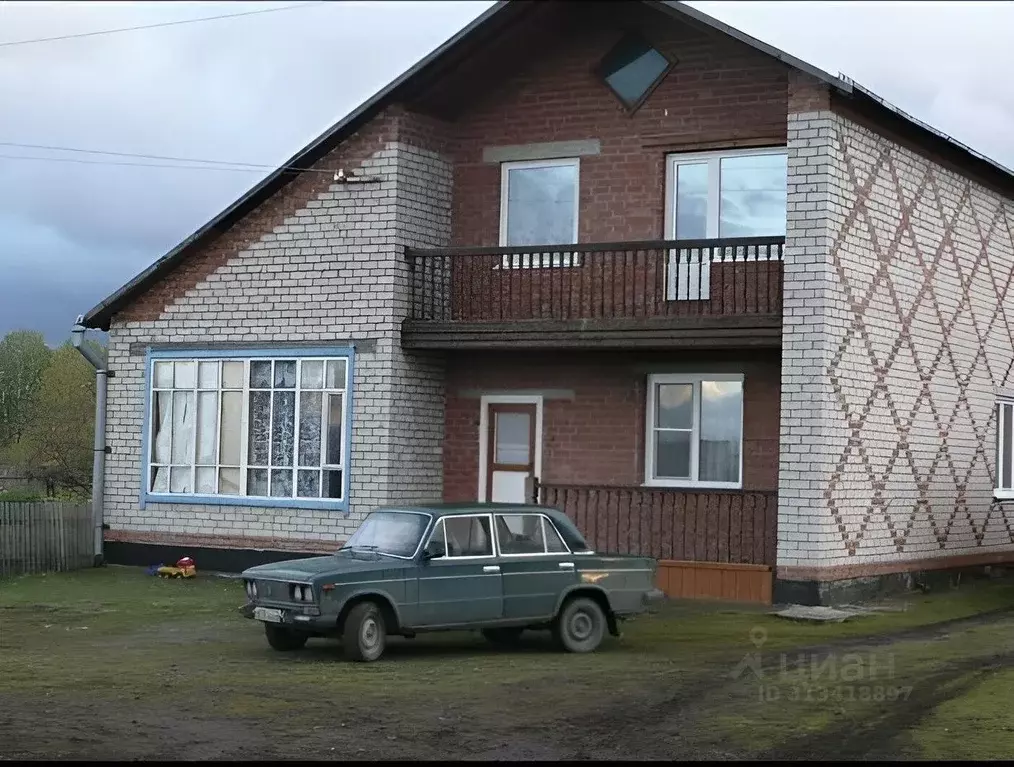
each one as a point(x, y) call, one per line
point(916, 316)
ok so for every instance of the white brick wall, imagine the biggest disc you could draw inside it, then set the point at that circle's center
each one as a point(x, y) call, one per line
point(889, 240)
point(803, 462)
point(333, 273)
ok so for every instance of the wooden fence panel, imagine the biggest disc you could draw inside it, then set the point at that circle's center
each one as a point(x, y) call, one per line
point(44, 537)
point(736, 527)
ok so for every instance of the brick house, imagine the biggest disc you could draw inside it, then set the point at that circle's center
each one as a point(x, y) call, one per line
point(726, 309)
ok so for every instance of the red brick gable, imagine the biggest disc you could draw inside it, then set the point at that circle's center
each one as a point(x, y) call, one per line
point(720, 93)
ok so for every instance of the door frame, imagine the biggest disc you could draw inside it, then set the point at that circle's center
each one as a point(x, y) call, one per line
point(484, 423)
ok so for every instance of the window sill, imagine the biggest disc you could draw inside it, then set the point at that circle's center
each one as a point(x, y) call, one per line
point(323, 504)
point(661, 484)
point(1003, 495)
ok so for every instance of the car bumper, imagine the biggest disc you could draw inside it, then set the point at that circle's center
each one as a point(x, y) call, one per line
point(652, 599)
point(290, 618)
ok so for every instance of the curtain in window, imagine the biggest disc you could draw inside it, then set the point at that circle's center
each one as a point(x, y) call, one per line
point(290, 420)
point(718, 461)
point(180, 480)
point(160, 482)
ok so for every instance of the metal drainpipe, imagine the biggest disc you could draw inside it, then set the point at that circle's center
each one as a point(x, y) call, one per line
point(99, 450)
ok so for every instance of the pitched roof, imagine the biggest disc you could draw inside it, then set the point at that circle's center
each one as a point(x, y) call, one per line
point(487, 24)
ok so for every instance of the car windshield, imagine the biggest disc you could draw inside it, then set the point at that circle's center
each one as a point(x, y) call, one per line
point(389, 532)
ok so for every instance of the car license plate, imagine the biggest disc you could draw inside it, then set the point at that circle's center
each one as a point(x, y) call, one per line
point(268, 614)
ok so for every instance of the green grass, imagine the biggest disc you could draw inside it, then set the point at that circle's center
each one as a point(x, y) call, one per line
point(118, 635)
point(976, 724)
point(865, 689)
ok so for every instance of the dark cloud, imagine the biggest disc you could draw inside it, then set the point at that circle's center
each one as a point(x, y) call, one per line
point(256, 89)
point(252, 90)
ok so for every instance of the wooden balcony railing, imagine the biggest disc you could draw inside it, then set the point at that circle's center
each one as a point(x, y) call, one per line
point(606, 281)
point(710, 526)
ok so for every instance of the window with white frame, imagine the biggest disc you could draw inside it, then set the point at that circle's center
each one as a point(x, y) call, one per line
point(1004, 449)
point(694, 434)
point(539, 206)
point(251, 428)
point(737, 193)
point(712, 195)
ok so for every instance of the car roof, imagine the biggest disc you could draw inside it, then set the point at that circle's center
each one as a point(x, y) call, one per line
point(564, 523)
point(474, 507)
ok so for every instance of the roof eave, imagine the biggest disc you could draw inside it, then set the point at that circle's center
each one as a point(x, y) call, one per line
point(682, 9)
point(100, 315)
point(859, 90)
point(842, 84)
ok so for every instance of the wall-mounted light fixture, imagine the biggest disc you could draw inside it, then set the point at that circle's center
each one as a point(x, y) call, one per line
point(341, 177)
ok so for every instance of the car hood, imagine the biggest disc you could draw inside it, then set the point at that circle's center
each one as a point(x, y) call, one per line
point(331, 566)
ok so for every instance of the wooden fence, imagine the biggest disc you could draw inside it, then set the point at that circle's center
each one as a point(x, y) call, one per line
point(715, 544)
point(44, 537)
point(708, 526)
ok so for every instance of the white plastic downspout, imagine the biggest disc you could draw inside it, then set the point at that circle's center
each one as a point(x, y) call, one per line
point(99, 449)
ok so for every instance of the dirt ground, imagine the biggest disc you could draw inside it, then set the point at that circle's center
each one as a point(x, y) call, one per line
point(114, 664)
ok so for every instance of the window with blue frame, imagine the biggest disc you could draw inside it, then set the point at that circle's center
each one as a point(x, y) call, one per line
point(248, 427)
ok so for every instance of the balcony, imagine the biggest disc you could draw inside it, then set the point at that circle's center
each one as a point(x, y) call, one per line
point(663, 294)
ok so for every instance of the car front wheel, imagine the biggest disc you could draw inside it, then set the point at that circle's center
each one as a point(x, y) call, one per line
point(283, 639)
point(580, 625)
point(364, 636)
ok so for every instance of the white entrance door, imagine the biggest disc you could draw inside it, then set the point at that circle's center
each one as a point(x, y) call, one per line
point(510, 450)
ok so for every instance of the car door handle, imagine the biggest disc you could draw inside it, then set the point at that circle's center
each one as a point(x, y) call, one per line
point(491, 568)
point(567, 565)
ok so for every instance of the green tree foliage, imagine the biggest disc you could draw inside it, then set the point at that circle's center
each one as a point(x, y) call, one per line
point(23, 358)
point(56, 445)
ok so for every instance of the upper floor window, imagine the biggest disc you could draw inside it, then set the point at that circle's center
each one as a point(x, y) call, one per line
point(539, 206)
point(694, 434)
point(1004, 449)
point(738, 193)
point(248, 428)
point(632, 69)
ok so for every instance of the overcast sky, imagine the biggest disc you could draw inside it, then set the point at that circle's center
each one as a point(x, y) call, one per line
point(255, 89)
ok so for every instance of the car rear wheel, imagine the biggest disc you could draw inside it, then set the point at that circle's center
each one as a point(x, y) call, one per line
point(283, 639)
point(365, 635)
point(580, 625)
point(504, 637)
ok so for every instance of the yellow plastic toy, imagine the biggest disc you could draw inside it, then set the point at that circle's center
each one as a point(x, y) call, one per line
point(185, 568)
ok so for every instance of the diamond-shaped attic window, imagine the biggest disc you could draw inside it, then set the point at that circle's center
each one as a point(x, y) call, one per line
point(632, 69)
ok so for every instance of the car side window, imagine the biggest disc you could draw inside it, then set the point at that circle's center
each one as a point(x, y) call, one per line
point(554, 543)
point(437, 545)
point(468, 537)
point(526, 534)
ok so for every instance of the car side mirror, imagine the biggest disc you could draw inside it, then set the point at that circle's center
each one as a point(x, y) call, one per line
point(433, 550)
